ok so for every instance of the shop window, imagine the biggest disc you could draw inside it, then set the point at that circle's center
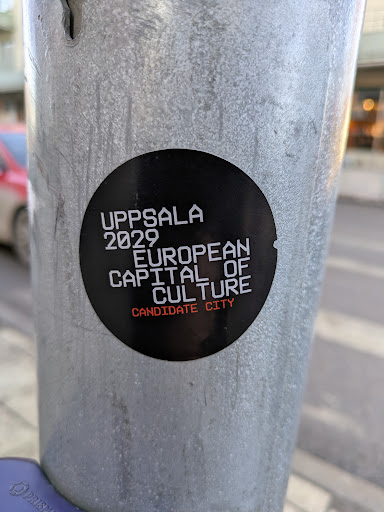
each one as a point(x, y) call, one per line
point(367, 120)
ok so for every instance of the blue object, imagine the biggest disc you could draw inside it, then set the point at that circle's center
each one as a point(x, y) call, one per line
point(25, 488)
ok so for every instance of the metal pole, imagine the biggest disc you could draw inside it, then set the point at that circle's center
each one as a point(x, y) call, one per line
point(215, 131)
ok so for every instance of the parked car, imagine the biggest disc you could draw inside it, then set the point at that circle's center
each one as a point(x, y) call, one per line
point(14, 225)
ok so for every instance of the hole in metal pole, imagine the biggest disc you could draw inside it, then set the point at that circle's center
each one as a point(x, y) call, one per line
point(72, 17)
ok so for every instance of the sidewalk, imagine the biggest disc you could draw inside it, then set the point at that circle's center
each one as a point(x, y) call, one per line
point(314, 485)
point(362, 177)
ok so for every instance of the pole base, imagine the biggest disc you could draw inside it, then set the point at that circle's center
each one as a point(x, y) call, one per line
point(23, 486)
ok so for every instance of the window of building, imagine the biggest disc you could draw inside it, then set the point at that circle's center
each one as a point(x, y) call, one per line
point(6, 5)
point(367, 120)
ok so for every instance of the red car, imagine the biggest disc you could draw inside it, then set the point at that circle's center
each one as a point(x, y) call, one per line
point(14, 225)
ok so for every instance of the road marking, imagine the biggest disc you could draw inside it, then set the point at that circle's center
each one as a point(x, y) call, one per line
point(333, 418)
point(356, 267)
point(358, 243)
point(346, 330)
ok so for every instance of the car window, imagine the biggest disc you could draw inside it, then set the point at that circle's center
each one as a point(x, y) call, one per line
point(16, 145)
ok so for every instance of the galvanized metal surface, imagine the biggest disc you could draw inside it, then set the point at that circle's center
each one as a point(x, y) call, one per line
point(264, 85)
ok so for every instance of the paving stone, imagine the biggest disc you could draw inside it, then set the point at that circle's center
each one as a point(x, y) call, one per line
point(307, 496)
point(11, 352)
point(290, 508)
point(17, 437)
point(29, 450)
point(16, 340)
point(17, 376)
point(25, 405)
point(350, 493)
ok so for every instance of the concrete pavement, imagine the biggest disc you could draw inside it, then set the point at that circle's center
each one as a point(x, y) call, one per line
point(314, 485)
point(18, 395)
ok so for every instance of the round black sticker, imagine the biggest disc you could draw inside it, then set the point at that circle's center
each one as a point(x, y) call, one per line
point(176, 253)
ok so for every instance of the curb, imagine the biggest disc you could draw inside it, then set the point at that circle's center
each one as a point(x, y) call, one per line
point(362, 183)
point(361, 201)
point(339, 483)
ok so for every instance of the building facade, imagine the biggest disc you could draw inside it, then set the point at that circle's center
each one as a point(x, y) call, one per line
point(366, 135)
point(11, 62)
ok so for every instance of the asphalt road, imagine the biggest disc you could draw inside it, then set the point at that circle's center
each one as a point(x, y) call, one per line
point(343, 411)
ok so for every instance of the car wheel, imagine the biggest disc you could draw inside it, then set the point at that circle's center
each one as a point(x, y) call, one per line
point(21, 236)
